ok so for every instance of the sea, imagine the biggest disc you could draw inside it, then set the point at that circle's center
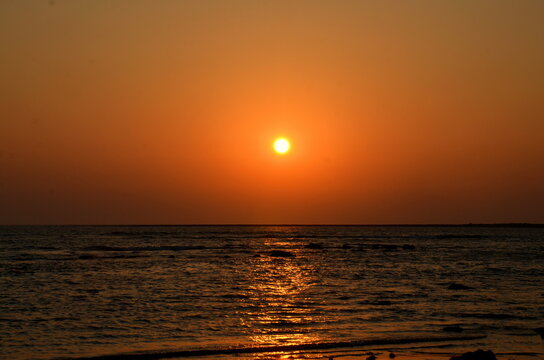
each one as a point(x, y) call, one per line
point(270, 292)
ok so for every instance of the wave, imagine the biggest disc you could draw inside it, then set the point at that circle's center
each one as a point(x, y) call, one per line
point(265, 349)
point(117, 256)
point(496, 316)
point(143, 248)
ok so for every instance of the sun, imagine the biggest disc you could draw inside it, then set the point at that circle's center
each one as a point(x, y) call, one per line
point(281, 145)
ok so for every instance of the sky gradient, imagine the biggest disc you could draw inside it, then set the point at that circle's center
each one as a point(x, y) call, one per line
point(146, 112)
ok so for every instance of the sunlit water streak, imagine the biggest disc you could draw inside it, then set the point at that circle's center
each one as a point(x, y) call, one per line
point(80, 291)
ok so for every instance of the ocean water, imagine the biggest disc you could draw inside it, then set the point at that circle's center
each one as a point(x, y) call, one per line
point(81, 291)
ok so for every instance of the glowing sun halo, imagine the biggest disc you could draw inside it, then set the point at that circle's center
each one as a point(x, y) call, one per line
point(281, 145)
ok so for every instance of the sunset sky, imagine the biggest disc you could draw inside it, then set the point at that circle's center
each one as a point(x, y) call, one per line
point(165, 112)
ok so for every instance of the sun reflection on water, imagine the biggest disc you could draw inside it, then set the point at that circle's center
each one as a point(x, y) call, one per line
point(280, 308)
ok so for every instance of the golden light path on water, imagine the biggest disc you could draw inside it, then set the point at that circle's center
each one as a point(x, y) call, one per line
point(282, 307)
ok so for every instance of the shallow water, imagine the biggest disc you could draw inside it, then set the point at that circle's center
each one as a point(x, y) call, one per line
point(82, 291)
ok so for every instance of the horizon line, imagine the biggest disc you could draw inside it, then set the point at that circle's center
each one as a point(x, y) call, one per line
point(498, 224)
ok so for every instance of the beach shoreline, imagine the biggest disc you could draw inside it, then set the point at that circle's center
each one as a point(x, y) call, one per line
point(438, 348)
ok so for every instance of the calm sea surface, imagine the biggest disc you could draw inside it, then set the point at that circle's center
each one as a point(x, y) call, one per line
point(82, 290)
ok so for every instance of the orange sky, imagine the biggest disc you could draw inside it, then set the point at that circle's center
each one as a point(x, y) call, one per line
point(165, 111)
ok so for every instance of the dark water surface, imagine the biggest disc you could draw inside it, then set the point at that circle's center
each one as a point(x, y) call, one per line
point(72, 291)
